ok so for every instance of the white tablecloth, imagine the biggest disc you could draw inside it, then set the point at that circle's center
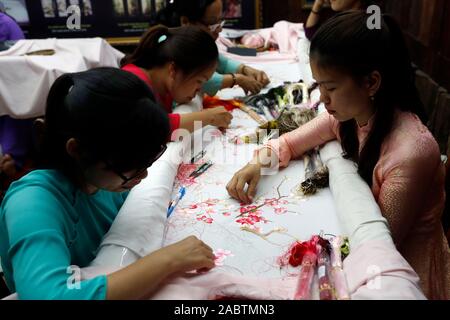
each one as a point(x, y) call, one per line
point(26, 80)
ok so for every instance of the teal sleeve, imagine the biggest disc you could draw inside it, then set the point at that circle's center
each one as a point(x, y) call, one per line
point(39, 253)
point(227, 65)
point(213, 85)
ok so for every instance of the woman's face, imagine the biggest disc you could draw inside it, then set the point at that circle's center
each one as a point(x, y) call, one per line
point(344, 5)
point(185, 88)
point(211, 20)
point(102, 177)
point(343, 97)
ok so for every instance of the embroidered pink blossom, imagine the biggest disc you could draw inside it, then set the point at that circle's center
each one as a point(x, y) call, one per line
point(280, 210)
point(205, 219)
point(183, 174)
point(208, 220)
point(226, 214)
point(244, 221)
point(249, 209)
point(274, 202)
point(251, 220)
point(221, 255)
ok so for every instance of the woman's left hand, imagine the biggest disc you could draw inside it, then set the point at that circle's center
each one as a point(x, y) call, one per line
point(258, 75)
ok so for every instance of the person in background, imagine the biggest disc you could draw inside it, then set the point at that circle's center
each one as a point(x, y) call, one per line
point(367, 85)
point(102, 130)
point(208, 15)
point(315, 19)
point(15, 134)
point(175, 63)
point(9, 29)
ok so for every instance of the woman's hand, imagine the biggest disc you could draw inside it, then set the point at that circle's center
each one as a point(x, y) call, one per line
point(248, 175)
point(142, 279)
point(257, 75)
point(248, 84)
point(190, 254)
point(219, 117)
point(318, 4)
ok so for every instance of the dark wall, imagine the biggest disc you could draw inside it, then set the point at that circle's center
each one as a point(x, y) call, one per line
point(426, 25)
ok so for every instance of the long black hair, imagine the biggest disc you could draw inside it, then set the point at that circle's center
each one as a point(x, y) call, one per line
point(113, 116)
point(194, 10)
point(346, 43)
point(190, 48)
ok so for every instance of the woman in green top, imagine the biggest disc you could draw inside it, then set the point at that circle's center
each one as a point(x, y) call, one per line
point(208, 15)
point(96, 147)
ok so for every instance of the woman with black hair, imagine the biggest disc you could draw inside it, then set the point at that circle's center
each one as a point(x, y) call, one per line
point(175, 63)
point(315, 20)
point(373, 108)
point(208, 15)
point(102, 131)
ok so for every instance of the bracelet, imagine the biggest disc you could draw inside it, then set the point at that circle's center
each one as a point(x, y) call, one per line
point(315, 12)
point(234, 79)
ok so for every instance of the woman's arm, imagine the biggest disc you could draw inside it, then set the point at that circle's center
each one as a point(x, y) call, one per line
point(405, 187)
point(314, 16)
point(218, 117)
point(294, 144)
point(234, 73)
point(38, 261)
point(312, 23)
point(280, 152)
point(141, 279)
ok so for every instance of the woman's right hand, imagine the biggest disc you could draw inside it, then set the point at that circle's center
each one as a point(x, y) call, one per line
point(318, 4)
point(248, 175)
point(249, 84)
point(219, 117)
point(190, 254)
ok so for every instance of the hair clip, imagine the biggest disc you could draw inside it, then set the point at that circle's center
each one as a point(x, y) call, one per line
point(162, 38)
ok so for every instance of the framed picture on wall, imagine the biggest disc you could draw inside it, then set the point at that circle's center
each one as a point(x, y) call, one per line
point(242, 14)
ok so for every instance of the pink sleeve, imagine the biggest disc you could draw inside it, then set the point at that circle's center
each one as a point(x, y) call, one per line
point(376, 270)
point(291, 145)
point(407, 184)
